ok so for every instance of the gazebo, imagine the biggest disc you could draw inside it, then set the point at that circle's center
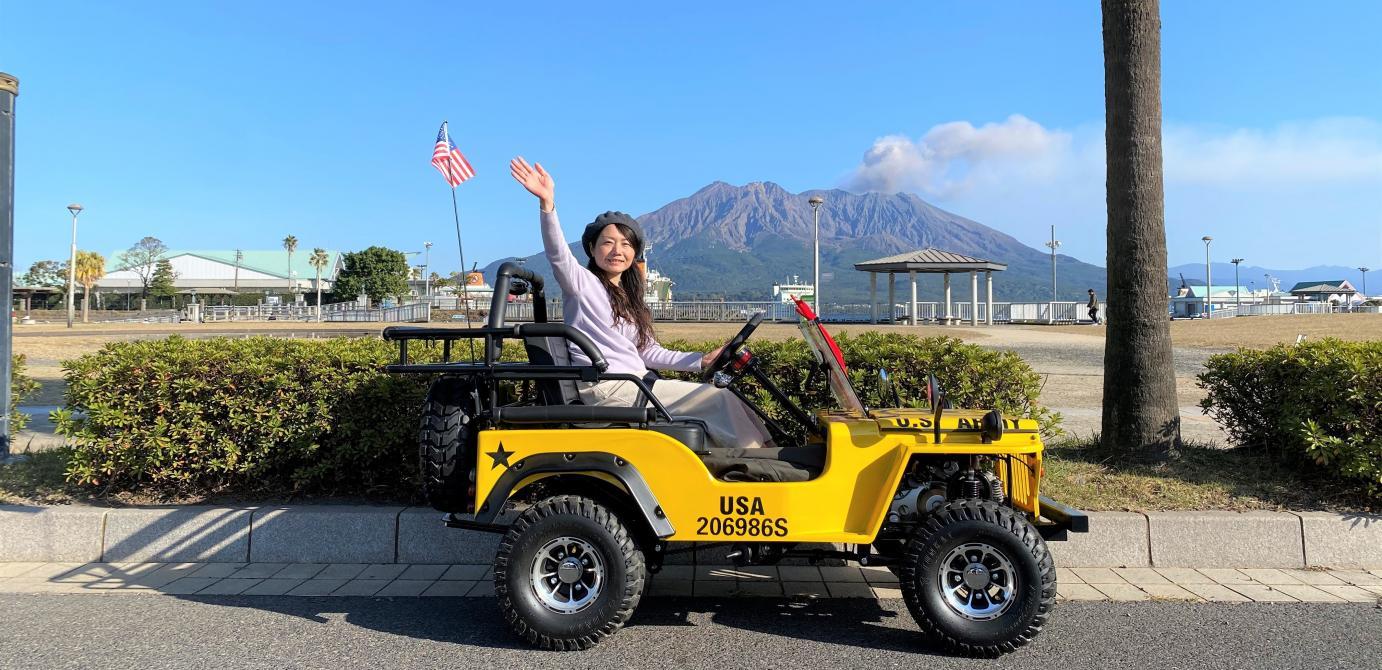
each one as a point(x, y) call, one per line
point(933, 261)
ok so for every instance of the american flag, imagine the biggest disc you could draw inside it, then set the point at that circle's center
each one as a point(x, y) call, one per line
point(449, 160)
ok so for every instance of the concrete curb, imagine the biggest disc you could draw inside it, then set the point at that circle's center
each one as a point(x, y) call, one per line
point(371, 534)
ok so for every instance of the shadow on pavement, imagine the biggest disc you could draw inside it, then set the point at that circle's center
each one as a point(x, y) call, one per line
point(860, 623)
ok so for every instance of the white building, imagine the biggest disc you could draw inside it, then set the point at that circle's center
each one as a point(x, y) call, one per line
point(210, 273)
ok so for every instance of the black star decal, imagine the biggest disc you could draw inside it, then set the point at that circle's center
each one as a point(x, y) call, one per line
point(500, 457)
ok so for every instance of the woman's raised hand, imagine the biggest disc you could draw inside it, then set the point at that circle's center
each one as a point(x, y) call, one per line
point(535, 179)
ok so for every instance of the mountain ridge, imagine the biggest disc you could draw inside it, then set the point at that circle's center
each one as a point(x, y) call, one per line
point(735, 241)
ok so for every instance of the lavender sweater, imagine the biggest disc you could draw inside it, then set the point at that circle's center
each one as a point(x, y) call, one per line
point(585, 307)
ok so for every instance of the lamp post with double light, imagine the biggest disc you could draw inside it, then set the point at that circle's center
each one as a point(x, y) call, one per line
point(1237, 299)
point(427, 270)
point(1208, 280)
point(72, 262)
point(1365, 271)
point(816, 254)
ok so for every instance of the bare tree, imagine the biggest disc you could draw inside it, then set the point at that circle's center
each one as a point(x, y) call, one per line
point(1141, 416)
point(141, 259)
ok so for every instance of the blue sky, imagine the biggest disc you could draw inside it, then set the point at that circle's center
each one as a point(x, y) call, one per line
point(224, 125)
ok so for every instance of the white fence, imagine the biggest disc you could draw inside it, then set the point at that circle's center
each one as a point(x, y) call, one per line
point(418, 312)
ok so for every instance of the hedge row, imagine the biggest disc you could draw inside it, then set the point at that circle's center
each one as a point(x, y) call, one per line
point(276, 415)
point(21, 387)
point(1317, 404)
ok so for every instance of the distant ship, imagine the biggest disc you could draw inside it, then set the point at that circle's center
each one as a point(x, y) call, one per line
point(786, 291)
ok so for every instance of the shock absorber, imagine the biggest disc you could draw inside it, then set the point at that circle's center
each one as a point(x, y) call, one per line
point(971, 486)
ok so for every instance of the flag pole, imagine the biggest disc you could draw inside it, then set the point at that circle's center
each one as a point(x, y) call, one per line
point(465, 289)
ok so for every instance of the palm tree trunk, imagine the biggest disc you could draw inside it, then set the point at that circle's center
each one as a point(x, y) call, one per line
point(1141, 416)
point(86, 301)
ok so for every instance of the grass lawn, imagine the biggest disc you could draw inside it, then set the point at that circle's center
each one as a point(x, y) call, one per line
point(1204, 478)
point(1080, 474)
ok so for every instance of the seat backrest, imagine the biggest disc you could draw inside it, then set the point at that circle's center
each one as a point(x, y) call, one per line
point(552, 351)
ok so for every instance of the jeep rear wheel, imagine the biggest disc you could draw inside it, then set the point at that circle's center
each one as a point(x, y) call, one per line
point(978, 579)
point(568, 573)
point(446, 444)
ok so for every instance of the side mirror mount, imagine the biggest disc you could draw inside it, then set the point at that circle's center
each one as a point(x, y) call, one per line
point(991, 427)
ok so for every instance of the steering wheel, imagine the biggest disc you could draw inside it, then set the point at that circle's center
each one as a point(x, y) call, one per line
point(731, 350)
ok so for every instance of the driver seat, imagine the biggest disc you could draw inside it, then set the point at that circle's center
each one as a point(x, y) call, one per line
point(773, 464)
point(554, 351)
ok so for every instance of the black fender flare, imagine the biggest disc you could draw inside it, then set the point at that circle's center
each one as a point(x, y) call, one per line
point(549, 463)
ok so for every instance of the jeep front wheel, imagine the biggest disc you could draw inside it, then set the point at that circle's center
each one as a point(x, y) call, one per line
point(978, 579)
point(568, 573)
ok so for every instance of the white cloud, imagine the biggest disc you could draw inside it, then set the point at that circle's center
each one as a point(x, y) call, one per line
point(944, 161)
point(1281, 190)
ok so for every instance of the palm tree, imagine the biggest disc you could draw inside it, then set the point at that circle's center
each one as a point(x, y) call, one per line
point(91, 266)
point(291, 244)
point(318, 261)
point(1141, 417)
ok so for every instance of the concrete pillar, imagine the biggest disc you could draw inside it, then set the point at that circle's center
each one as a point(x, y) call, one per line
point(973, 297)
point(912, 313)
point(873, 297)
point(947, 298)
point(988, 309)
point(891, 299)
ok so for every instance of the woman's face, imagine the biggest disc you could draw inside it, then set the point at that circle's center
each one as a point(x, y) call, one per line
point(614, 253)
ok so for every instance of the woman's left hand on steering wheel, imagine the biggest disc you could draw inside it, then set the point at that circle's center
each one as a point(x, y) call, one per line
point(709, 359)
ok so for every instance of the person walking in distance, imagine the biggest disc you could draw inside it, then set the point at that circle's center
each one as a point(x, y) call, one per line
point(1093, 308)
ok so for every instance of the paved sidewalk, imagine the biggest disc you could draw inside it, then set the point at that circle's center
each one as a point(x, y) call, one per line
point(396, 579)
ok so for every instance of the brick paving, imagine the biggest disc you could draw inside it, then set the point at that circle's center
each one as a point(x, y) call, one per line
point(726, 581)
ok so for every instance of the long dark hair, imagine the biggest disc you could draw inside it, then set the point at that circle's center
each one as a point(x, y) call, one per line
point(626, 298)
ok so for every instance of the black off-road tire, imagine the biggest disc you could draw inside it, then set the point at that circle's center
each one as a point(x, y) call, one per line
point(1005, 531)
point(624, 579)
point(446, 444)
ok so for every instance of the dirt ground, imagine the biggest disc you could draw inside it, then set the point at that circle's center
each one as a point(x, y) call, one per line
point(1070, 358)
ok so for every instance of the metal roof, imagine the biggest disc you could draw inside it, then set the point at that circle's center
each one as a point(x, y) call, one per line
point(1335, 286)
point(929, 260)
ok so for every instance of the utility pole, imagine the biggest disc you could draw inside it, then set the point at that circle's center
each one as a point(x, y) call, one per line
point(1053, 245)
point(9, 90)
point(1365, 271)
point(239, 256)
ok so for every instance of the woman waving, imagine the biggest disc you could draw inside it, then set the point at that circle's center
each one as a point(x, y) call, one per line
point(603, 299)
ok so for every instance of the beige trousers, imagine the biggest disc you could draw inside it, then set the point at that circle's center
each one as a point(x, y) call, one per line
point(731, 424)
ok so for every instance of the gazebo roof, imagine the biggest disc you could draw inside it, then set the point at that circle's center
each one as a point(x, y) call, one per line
point(929, 260)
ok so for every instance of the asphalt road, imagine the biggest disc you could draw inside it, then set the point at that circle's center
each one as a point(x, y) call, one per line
point(80, 631)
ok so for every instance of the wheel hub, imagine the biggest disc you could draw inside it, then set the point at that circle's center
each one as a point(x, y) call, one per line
point(567, 574)
point(977, 581)
point(976, 576)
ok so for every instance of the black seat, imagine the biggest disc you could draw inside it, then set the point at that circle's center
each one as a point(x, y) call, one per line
point(552, 351)
point(778, 464)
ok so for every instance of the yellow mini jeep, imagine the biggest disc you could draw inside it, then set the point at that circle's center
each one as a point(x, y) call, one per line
point(948, 499)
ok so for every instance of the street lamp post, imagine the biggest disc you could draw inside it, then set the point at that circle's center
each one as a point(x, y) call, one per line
point(1237, 299)
point(427, 269)
point(1053, 245)
point(1208, 279)
point(1365, 282)
point(72, 262)
point(816, 255)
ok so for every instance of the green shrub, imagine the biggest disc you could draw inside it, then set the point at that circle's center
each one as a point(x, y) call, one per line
point(21, 387)
point(273, 415)
point(969, 375)
point(178, 415)
point(1316, 403)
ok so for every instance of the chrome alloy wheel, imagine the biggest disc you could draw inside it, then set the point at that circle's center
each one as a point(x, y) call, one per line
point(977, 581)
point(567, 575)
